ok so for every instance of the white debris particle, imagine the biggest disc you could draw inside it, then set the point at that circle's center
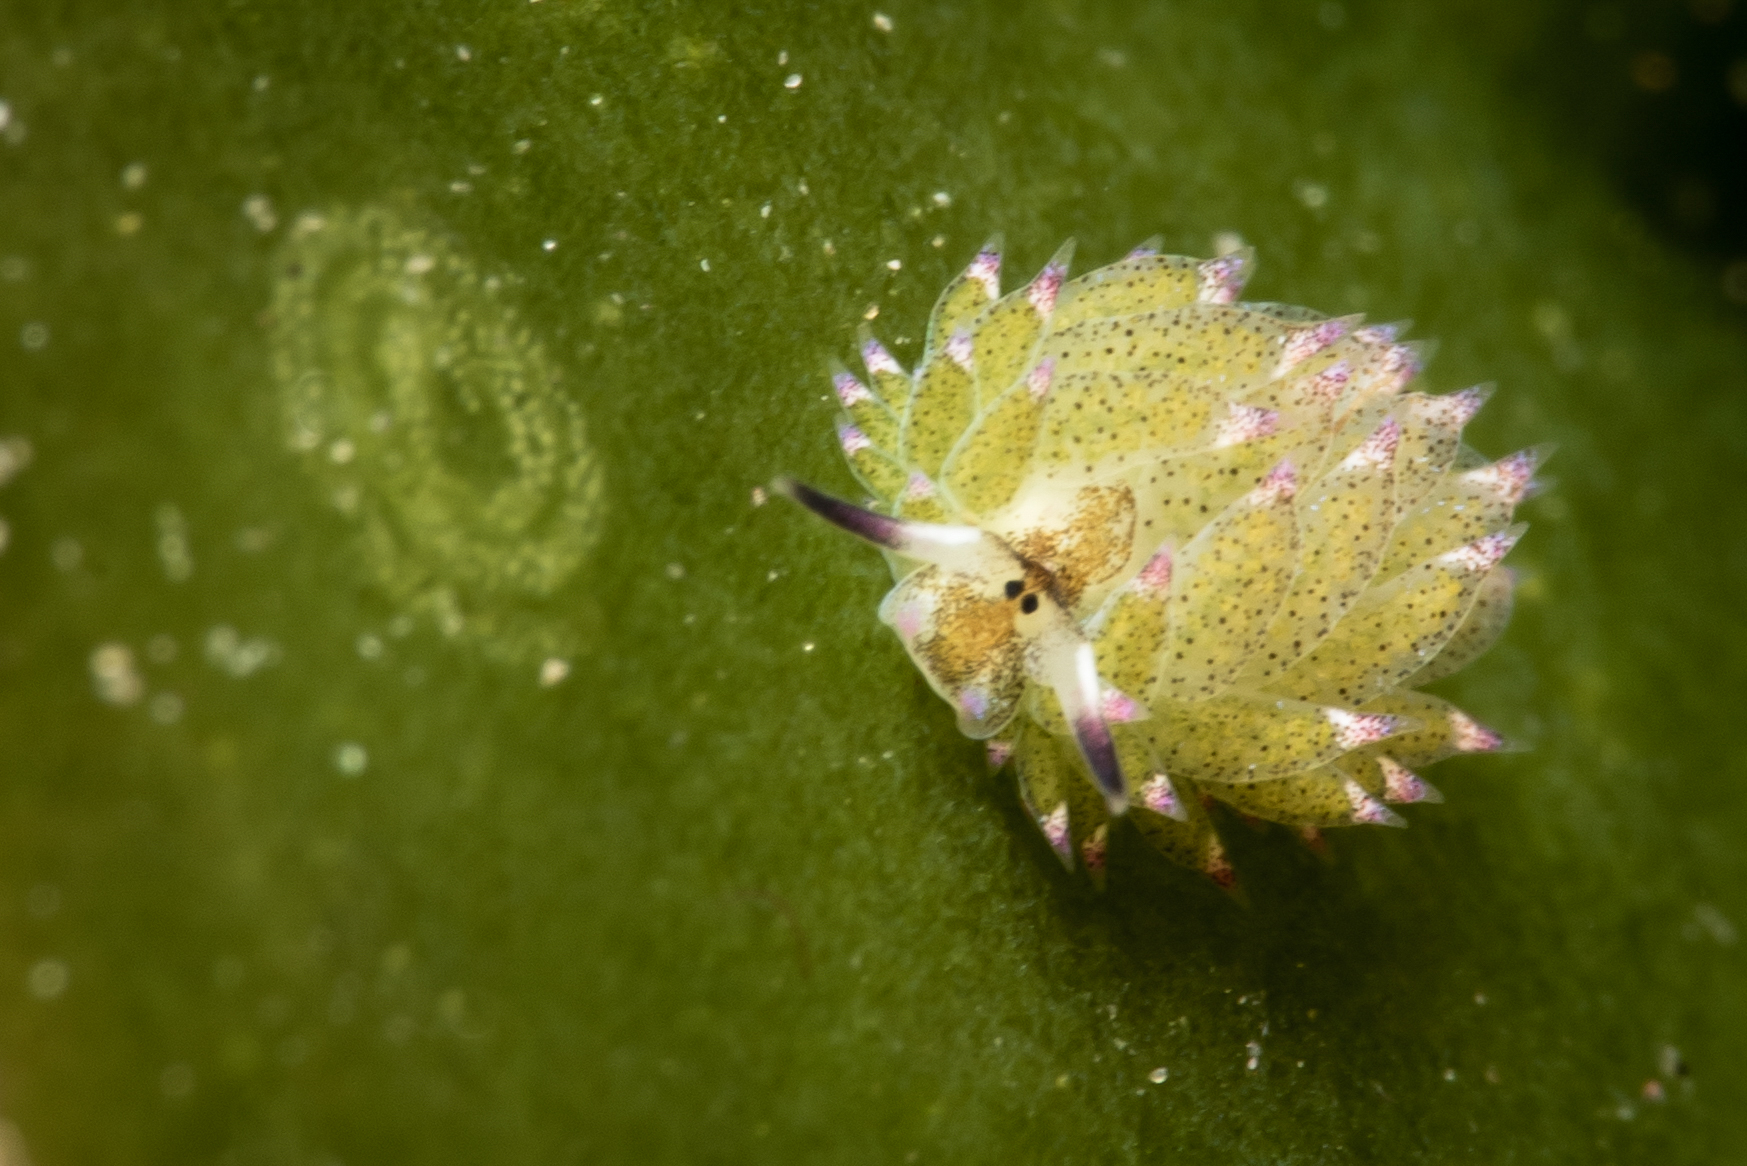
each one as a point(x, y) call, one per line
point(1552, 321)
point(1314, 195)
point(229, 652)
point(252, 540)
point(882, 22)
point(1254, 1049)
point(173, 553)
point(1227, 243)
point(5, 114)
point(596, 99)
point(1669, 1060)
point(549, 245)
point(782, 58)
point(759, 497)
point(872, 313)
point(522, 146)
point(369, 646)
point(47, 979)
point(1709, 921)
point(351, 759)
point(16, 454)
point(792, 81)
point(342, 451)
point(553, 671)
point(463, 53)
point(449, 620)
point(34, 336)
point(67, 554)
point(764, 211)
point(114, 675)
point(802, 188)
point(419, 264)
point(1449, 1074)
point(1159, 1075)
point(808, 646)
point(942, 199)
point(258, 209)
point(460, 186)
point(938, 241)
point(894, 264)
point(703, 265)
point(133, 175)
point(165, 708)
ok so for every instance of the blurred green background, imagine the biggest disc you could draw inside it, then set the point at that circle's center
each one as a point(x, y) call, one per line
point(307, 855)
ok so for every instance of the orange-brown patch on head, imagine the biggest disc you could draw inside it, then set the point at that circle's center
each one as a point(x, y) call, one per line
point(973, 638)
point(1091, 544)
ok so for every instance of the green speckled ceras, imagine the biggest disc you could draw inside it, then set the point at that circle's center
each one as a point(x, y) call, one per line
point(1161, 548)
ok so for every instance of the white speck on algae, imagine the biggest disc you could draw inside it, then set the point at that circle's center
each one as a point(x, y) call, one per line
point(351, 759)
point(114, 675)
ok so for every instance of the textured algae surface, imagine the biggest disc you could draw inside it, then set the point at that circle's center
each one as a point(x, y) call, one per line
point(301, 869)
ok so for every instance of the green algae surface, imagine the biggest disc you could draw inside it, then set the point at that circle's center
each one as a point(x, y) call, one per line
point(498, 783)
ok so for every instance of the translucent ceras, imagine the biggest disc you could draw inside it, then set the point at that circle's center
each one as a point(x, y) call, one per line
point(1161, 548)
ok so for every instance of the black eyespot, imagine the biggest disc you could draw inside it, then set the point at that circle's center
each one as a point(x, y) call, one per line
point(1014, 587)
point(1028, 604)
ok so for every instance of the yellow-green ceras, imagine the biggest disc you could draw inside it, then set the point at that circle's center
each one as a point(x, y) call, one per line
point(1161, 548)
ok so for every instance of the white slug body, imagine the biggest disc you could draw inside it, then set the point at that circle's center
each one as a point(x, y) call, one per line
point(1163, 549)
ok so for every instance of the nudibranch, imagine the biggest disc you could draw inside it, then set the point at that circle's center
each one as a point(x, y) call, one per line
point(1161, 548)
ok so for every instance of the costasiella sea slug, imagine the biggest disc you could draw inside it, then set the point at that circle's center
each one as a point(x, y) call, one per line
point(1160, 548)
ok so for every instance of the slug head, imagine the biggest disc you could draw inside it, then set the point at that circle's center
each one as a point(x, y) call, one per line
point(980, 620)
